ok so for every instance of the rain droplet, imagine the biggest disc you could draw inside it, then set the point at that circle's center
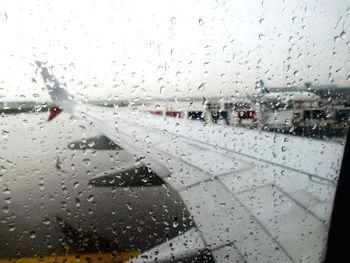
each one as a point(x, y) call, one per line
point(261, 36)
point(77, 202)
point(175, 222)
point(5, 133)
point(32, 235)
point(46, 221)
point(8, 200)
point(87, 161)
point(5, 209)
point(343, 35)
point(4, 17)
point(201, 87)
point(90, 198)
point(200, 21)
point(173, 20)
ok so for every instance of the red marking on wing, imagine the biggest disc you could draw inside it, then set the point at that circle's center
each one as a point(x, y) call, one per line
point(156, 112)
point(54, 112)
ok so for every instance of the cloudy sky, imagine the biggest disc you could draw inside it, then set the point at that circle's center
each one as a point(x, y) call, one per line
point(121, 49)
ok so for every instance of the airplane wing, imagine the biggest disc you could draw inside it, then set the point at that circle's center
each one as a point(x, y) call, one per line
point(254, 196)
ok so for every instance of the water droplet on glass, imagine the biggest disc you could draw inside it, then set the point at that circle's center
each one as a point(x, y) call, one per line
point(201, 87)
point(128, 205)
point(77, 202)
point(5, 209)
point(261, 36)
point(32, 235)
point(200, 21)
point(87, 161)
point(5, 133)
point(173, 20)
point(46, 221)
point(175, 222)
point(8, 200)
point(342, 35)
point(161, 89)
point(90, 198)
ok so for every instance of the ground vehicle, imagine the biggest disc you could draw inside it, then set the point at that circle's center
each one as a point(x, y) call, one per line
point(306, 114)
point(241, 112)
point(296, 112)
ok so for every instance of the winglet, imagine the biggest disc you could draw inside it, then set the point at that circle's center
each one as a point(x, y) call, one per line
point(59, 96)
point(54, 111)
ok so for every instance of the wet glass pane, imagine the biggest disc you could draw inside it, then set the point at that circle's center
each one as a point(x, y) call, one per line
point(161, 131)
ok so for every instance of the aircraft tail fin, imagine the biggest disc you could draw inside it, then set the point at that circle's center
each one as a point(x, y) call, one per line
point(59, 96)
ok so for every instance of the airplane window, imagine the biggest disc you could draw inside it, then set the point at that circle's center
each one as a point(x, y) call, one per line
point(171, 131)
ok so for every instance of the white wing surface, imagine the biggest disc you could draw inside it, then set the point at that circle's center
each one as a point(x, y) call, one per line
point(254, 196)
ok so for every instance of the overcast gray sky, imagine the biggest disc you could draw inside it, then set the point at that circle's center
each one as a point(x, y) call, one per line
point(150, 48)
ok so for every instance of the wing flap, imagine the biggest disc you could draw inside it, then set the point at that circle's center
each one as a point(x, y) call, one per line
point(95, 143)
point(295, 222)
point(222, 220)
point(186, 245)
point(129, 175)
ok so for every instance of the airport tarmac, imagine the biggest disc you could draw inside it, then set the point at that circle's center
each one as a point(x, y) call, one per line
point(48, 208)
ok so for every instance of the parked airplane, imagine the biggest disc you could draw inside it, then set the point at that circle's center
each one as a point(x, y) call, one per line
point(254, 196)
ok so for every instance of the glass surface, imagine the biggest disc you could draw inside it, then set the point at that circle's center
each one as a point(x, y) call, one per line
point(191, 131)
